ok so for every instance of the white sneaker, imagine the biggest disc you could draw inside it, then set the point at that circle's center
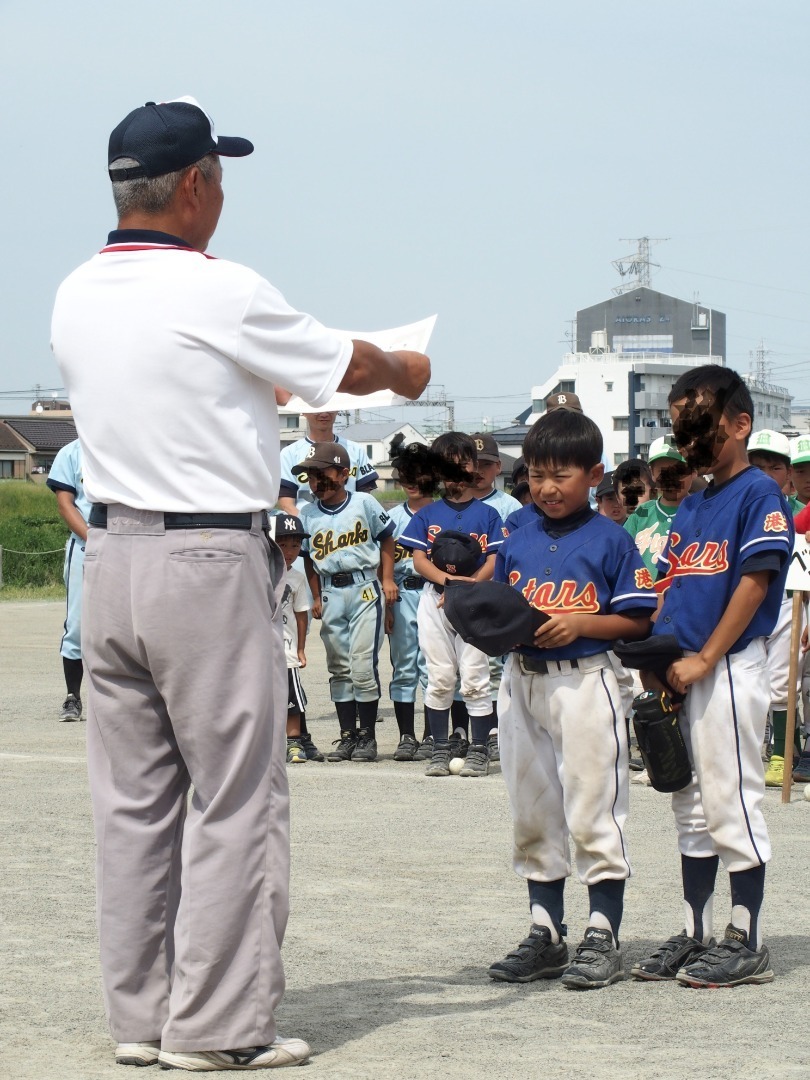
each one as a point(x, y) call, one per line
point(282, 1052)
point(142, 1053)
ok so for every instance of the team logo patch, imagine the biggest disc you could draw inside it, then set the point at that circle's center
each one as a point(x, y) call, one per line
point(644, 579)
point(775, 522)
point(479, 445)
point(451, 568)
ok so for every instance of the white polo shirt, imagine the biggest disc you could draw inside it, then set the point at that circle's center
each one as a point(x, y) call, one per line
point(170, 358)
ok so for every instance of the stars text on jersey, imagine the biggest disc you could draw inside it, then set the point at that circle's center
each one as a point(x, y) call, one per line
point(568, 597)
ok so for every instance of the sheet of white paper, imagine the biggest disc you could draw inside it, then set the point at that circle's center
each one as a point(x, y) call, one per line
point(414, 336)
point(798, 576)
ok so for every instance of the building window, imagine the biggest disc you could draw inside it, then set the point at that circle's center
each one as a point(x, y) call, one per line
point(6, 469)
point(768, 409)
point(608, 386)
point(292, 421)
point(621, 423)
point(369, 449)
point(619, 458)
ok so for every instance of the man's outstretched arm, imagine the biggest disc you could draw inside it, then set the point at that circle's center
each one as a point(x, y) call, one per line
point(370, 369)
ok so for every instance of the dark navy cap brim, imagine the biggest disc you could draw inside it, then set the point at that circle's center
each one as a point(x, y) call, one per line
point(233, 146)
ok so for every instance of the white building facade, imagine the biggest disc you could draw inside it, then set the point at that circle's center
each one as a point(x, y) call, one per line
point(626, 395)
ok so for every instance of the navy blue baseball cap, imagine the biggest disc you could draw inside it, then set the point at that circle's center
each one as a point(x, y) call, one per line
point(288, 525)
point(167, 136)
point(456, 553)
point(491, 615)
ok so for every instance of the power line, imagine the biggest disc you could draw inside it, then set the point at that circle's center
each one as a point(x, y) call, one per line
point(734, 281)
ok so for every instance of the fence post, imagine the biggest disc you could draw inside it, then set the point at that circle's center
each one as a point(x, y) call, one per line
point(1, 567)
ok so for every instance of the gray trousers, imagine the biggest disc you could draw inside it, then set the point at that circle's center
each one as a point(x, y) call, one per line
point(187, 691)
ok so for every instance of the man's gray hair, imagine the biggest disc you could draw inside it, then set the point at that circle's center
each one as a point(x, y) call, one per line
point(152, 194)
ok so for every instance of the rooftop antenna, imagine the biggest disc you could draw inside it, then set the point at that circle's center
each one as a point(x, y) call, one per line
point(638, 264)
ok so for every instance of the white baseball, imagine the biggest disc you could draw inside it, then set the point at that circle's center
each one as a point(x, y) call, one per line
point(457, 764)
point(806, 790)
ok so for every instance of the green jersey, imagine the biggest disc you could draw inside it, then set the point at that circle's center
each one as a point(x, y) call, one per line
point(649, 526)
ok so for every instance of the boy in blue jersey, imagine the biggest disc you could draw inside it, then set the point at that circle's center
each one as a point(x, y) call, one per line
point(350, 543)
point(65, 480)
point(407, 662)
point(721, 579)
point(448, 656)
point(563, 737)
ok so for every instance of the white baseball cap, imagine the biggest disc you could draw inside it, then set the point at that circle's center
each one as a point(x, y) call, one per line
point(663, 448)
point(801, 451)
point(770, 442)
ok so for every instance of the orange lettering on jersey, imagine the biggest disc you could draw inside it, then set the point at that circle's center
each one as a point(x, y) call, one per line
point(644, 579)
point(775, 522)
point(711, 558)
point(566, 599)
point(434, 530)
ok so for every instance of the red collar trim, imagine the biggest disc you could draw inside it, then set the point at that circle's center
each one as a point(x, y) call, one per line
point(112, 248)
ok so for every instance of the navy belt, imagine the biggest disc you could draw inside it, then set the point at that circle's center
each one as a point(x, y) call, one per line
point(98, 518)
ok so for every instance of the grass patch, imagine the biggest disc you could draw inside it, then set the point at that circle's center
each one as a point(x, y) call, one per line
point(32, 536)
point(11, 593)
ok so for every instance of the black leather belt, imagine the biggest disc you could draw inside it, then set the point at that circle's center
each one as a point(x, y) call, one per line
point(533, 666)
point(98, 518)
point(413, 582)
point(346, 577)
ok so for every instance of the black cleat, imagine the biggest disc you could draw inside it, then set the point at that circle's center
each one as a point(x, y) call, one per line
point(669, 958)
point(365, 749)
point(310, 749)
point(343, 746)
point(406, 751)
point(597, 962)
point(730, 963)
point(536, 957)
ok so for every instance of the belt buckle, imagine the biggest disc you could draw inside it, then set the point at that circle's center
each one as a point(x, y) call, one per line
point(342, 578)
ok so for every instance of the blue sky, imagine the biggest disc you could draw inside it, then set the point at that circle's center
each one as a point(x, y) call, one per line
point(473, 158)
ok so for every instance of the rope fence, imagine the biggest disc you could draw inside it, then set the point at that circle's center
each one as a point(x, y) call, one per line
point(54, 572)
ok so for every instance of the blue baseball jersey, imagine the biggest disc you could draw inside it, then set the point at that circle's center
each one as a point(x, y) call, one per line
point(403, 557)
point(345, 537)
point(717, 534)
point(362, 475)
point(501, 501)
point(524, 516)
point(66, 475)
point(475, 518)
point(593, 570)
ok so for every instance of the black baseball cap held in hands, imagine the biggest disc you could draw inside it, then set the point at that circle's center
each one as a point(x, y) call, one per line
point(491, 615)
point(456, 553)
point(167, 136)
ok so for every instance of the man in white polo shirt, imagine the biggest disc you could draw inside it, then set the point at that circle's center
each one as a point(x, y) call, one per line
point(171, 359)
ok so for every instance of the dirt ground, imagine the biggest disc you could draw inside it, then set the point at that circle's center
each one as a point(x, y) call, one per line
point(402, 895)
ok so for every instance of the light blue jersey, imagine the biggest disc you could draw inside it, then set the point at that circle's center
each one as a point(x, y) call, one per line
point(345, 537)
point(501, 501)
point(400, 515)
point(66, 475)
point(362, 475)
point(407, 662)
